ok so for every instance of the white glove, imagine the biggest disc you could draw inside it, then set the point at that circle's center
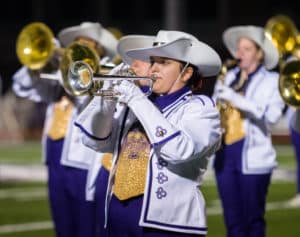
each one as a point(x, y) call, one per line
point(25, 77)
point(128, 92)
point(225, 93)
point(239, 101)
point(97, 117)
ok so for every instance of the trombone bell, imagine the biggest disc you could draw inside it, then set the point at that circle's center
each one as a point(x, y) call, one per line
point(81, 81)
point(35, 45)
point(281, 30)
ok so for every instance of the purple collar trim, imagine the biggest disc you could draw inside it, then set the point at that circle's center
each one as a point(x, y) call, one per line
point(165, 100)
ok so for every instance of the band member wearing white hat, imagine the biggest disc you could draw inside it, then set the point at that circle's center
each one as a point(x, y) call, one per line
point(160, 144)
point(66, 157)
point(244, 164)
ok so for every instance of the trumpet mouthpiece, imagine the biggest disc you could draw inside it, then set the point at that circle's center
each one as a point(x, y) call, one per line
point(153, 77)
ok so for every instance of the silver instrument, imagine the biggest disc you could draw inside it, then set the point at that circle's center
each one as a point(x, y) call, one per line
point(82, 81)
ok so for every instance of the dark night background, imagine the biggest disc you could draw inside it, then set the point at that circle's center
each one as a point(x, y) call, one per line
point(204, 19)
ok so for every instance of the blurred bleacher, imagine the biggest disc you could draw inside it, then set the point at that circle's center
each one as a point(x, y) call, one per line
point(20, 119)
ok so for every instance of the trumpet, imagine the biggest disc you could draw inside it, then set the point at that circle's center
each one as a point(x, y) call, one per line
point(81, 81)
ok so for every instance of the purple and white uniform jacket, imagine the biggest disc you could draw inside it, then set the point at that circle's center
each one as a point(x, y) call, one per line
point(265, 109)
point(183, 135)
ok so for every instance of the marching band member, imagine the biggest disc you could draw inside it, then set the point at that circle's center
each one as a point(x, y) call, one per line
point(66, 157)
point(244, 164)
point(160, 144)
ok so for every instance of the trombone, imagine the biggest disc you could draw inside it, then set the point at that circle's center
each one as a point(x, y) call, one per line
point(79, 64)
point(285, 36)
point(81, 81)
point(35, 48)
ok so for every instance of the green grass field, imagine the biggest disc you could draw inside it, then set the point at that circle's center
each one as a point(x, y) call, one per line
point(24, 153)
point(24, 209)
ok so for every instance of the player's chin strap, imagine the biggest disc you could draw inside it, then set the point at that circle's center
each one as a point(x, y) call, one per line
point(182, 71)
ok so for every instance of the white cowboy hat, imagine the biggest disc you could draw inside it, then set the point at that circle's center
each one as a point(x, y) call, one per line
point(182, 47)
point(130, 42)
point(91, 30)
point(257, 34)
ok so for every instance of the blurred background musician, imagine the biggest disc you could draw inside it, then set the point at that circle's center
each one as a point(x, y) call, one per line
point(66, 158)
point(250, 103)
point(284, 34)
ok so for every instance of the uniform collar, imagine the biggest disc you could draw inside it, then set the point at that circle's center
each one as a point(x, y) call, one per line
point(250, 75)
point(165, 100)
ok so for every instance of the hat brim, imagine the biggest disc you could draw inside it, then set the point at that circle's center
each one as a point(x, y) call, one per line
point(198, 54)
point(232, 35)
point(91, 30)
point(131, 42)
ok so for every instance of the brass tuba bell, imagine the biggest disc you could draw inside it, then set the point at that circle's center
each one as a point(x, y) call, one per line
point(289, 83)
point(35, 45)
point(283, 33)
point(285, 36)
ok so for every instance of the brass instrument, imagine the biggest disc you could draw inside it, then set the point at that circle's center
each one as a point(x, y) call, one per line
point(82, 80)
point(289, 83)
point(79, 52)
point(227, 65)
point(285, 36)
point(35, 45)
point(283, 33)
point(116, 32)
point(231, 118)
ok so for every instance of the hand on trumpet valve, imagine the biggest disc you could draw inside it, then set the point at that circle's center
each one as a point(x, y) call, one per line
point(128, 91)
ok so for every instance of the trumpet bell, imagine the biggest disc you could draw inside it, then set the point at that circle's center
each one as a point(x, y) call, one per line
point(80, 77)
point(73, 53)
point(289, 83)
point(35, 45)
